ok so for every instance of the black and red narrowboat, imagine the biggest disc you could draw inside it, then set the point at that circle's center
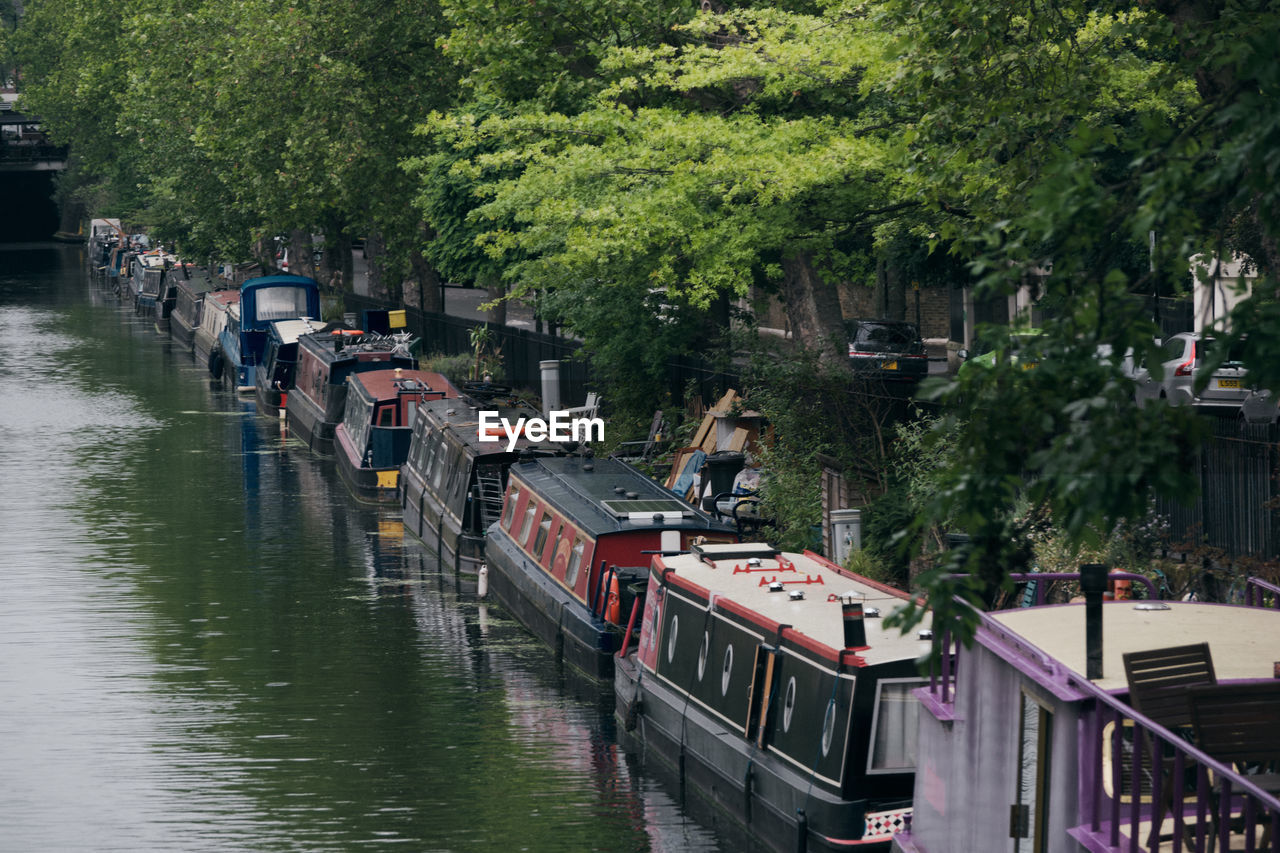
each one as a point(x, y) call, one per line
point(325, 359)
point(768, 681)
point(456, 474)
point(372, 441)
point(575, 535)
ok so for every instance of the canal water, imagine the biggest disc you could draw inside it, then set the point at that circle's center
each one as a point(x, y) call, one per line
point(207, 644)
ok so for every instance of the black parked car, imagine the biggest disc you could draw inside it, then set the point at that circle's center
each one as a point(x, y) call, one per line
point(890, 350)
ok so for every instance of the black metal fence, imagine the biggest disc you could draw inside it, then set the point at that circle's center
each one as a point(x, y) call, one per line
point(524, 350)
point(1236, 507)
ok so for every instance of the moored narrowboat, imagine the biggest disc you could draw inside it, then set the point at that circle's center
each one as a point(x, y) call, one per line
point(213, 319)
point(262, 300)
point(575, 535)
point(146, 282)
point(372, 441)
point(769, 681)
point(275, 371)
point(454, 478)
point(188, 303)
point(325, 359)
point(162, 307)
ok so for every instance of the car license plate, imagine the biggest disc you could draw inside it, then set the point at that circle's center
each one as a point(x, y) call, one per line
point(1228, 383)
point(891, 365)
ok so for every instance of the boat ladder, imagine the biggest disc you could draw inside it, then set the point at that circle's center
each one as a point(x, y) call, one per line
point(489, 487)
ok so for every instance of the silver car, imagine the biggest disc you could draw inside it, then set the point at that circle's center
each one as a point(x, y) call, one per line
point(1182, 358)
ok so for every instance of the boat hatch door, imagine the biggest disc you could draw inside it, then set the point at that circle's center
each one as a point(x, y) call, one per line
point(763, 675)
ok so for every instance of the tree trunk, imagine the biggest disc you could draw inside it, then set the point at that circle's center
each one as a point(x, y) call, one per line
point(813, 310)
point(375, 251)
point(335, 270)
point(301, 253)
point(426, 278)
point(497, 315)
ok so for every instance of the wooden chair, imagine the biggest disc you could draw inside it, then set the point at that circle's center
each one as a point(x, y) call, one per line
point(1239, 724)
point(1159, 679)
point(1159, 685)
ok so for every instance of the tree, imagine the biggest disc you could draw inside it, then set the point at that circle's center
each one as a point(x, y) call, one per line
point(1095, 127)
point(745, 147)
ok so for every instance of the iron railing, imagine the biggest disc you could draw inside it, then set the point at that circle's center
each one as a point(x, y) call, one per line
point(1260, 593)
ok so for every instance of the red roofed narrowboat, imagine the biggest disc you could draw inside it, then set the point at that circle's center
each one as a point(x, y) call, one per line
point(768, 682)
point(372, 441)
point(575, 535)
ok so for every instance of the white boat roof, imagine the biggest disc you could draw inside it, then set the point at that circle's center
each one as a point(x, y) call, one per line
point(1243, 641)
point(726, 574)
point(290, 330)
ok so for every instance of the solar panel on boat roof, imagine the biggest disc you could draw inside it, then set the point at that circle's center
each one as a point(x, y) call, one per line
point(624, 508)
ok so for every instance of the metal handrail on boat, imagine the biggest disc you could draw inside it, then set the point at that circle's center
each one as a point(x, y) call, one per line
point(1100, 813)
point(1256, 591)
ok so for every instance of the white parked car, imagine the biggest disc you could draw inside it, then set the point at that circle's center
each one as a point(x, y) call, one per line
point(1182, 357)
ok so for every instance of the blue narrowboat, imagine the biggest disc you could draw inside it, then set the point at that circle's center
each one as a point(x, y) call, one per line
point(242, 344)
point(576, 534)
point(319, 398)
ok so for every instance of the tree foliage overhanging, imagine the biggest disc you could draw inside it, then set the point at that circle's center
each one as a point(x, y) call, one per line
point(615, 158)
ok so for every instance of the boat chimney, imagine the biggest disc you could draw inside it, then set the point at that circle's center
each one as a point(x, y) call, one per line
point(1093, 582)
point(855, 629)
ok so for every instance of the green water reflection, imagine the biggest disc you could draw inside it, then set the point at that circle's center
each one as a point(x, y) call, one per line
point(205, 644)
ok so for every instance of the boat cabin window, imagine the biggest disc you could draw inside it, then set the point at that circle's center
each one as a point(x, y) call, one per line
point(893, 726)
point(387, 416)
point(438, 463)
point(509, 511)
point(575, 563)
point(544, 530)
point(280, 303)
point(427, 455)
point(527, 524)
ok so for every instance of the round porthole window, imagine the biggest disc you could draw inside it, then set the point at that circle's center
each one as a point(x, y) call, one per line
point(828, 727)
point(671, 637)
point(789, 705)
point(728, 669)
point(702, 654)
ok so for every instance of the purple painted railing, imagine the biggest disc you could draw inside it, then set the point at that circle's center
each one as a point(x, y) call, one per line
point(1210, 797)
point(1257, 591)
